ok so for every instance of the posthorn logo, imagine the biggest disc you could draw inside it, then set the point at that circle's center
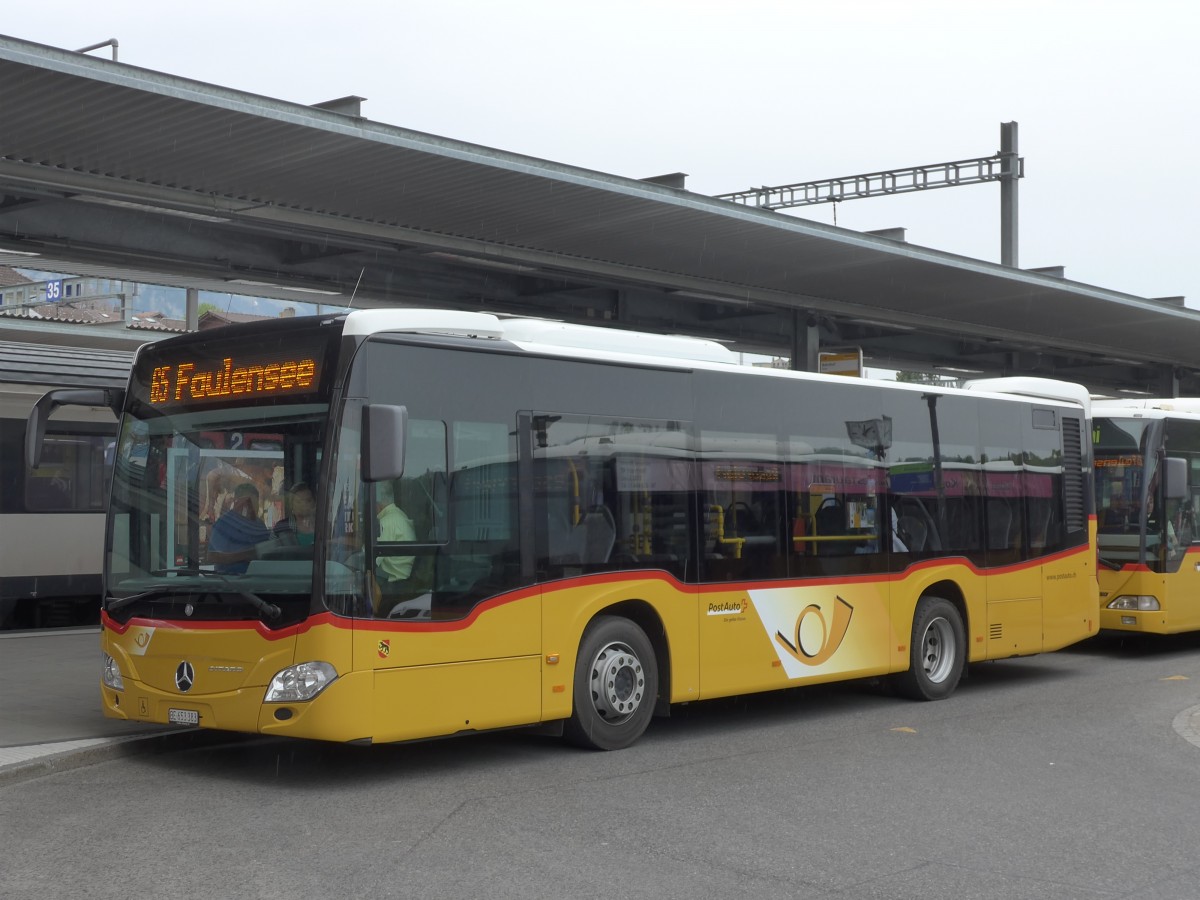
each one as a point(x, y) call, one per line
point(815, 639)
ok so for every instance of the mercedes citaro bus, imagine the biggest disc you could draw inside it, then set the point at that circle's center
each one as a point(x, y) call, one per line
point(1147, 458)
point(525, 523)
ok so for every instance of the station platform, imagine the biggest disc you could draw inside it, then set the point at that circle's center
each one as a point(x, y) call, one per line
point(50, 714)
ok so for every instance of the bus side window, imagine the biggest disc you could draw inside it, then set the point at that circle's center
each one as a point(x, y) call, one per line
point(999, 523)
point(608, 494)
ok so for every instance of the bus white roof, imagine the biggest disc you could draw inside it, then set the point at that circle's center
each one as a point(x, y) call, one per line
point(423, 321)
point(1028, 386)
point(543, 332)
point(535, 334)
point(549, 336)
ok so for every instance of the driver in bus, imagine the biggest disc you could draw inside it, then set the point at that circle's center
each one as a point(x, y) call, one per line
point(393, 573)
point(1154, 525)
point(237, 534)
point(394, 525)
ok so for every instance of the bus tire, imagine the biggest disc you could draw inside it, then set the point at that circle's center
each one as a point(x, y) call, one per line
point(616, 685)
point(937, 653)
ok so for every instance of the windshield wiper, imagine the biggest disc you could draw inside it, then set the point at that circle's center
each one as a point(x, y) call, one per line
point(116, 603)
point(1109, 564)
point(270, 610)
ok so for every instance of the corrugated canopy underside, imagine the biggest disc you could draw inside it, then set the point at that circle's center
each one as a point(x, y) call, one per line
point(77, 128)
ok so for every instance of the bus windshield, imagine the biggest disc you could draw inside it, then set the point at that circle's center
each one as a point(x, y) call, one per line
point(213, 507)
point(1124, 471)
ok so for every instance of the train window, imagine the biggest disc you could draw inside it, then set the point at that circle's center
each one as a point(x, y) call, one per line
point(73, 475)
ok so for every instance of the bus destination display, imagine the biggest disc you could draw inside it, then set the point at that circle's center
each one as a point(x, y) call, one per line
point(200, 374)
point(187, 381)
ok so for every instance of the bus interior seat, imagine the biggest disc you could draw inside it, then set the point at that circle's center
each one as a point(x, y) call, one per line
point(562, 545)
point(599, 535)
point(913, 532)
point(830, 518)
point(712, 546)
point(588, 543)
point(419, 581)
point(830, 521)
point(740, 519)
point(1039, 525)
point(999, 523)
point(910, 514)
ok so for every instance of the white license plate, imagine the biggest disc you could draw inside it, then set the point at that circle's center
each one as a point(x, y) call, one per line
point(183, 717)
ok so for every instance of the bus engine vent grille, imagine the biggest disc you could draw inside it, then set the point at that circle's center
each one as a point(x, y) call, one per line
point(995, 632)
point(1075, 508)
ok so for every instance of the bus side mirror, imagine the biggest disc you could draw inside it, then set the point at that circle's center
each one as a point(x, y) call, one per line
point(385, 432)
point(1176, 483)
point(35, 432)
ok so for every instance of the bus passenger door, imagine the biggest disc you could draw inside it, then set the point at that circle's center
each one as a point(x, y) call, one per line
point(466, 630)
point(611, 508)
point(448, 629)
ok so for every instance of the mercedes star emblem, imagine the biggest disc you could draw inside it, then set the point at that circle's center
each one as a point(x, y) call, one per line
point(185, 677)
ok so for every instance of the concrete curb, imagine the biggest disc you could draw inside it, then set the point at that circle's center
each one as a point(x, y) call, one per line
point(48, 759)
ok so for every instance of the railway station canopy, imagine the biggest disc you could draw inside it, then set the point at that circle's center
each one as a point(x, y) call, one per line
point(107, 168)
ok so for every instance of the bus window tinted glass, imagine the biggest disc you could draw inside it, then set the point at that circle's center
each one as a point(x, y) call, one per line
point(1001, 427)
point(935, 476)
point(809, 492)
point(1183, 441)
point(410, 521)
point(744, 505)
point(609, 493)
point(1043, 481)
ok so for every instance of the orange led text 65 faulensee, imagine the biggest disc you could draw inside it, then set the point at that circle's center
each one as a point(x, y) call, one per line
point(183, 381)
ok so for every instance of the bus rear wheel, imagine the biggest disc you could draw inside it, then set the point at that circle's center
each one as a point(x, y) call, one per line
point(937, 651)
point(616, 685)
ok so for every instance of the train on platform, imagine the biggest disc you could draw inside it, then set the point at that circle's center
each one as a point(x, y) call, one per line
point(52, 517)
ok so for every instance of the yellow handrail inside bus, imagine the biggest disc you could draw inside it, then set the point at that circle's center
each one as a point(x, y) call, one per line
point(736, 542)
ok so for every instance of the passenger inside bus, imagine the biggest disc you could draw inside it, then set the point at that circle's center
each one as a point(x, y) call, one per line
point(299, 523)
point(238, 532)
point(1119, 516)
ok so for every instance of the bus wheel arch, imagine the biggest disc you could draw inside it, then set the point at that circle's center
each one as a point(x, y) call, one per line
point(616, 683)
point(938, 649)
point(953, 594)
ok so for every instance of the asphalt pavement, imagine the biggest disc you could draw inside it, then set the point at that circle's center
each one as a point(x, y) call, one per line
point(50, 718)
point(50, 714)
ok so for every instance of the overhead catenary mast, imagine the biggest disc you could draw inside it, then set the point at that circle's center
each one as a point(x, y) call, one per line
point(1004, 166)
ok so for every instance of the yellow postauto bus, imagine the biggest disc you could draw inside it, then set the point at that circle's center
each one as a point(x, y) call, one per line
point(1147, 481)
point(392, 525)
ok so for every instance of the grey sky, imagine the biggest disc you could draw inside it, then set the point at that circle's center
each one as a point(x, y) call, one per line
point(755, 92)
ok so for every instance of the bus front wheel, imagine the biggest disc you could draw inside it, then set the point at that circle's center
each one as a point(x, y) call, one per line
point(937, 652)
point(616, 685)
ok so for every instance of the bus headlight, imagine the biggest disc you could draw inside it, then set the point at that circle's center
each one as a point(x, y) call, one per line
point(1141, 602)
point(300, 682)
point(112, 674)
